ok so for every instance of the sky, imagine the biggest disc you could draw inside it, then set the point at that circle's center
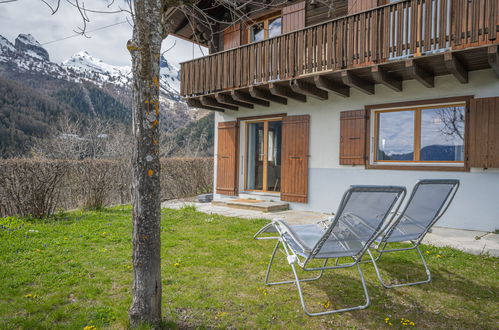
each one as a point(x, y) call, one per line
point(109, 44)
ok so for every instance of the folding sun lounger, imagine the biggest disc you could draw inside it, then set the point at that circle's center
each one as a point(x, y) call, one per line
point(364, 212)
point(428, 202)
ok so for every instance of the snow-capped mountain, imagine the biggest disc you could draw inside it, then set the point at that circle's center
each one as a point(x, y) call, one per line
point(84, 65)
point(28, 44)
point(83, 86)
point(27, 54)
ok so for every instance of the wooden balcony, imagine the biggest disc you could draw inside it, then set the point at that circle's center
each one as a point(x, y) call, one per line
point(411, 39)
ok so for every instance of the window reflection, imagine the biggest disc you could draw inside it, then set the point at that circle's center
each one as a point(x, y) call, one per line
point(267, 28)
point(257, 32)
point(274, 156)
point(255, 156)
point(275, 27)
point(442, 134)
point(395, 135)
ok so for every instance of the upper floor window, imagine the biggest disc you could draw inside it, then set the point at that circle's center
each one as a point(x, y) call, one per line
point(428, 134)
point(265, 29)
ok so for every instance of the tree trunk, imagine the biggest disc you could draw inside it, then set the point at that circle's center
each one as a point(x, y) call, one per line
point(145, 48)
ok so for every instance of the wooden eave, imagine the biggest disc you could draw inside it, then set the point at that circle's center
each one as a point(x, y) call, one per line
point(351, 52)
point(340, 82)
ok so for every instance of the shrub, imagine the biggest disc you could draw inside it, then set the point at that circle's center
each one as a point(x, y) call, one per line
point(38, 187)
point(30, 187)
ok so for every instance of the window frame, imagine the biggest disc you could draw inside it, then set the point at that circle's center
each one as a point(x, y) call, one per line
point(416, 164)
point(265, 20)
point(265, 120)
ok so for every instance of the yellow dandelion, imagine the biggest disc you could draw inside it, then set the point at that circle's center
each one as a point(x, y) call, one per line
point(176, 265)
point(221, 314)
point(439, 256)
point(326, 304)
point(89, 327)
point(427, 252)
point(412, 323)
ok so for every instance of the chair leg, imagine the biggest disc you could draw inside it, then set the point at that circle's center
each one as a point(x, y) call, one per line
point(389, 286)
point(331, 311)
point(267, 275)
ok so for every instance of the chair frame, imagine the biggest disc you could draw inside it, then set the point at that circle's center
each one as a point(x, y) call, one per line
point(380, 247)
point(293, 259)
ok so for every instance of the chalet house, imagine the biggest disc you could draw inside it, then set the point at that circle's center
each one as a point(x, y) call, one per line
point(314, 96)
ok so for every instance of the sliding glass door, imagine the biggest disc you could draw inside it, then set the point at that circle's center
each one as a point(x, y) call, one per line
point(263, 165)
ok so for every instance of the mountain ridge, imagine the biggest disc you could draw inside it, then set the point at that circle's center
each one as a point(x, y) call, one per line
point(84, 87)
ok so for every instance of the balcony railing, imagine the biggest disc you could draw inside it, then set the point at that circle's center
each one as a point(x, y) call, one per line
point(408, 28)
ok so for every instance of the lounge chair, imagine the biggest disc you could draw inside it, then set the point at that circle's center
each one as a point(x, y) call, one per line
point(428, 202)
point(364, 212)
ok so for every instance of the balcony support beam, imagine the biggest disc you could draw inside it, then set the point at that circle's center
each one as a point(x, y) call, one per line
point(416, 70)
point(266, 96)
point(381, 76)
point(456, 67)
point(282, 91)
point(211, 102)
point(195, 103)
point(246, 98)
point(302, 87)
point(493, 57)
point(352, 80)
point(329, 85)
point(227, 99)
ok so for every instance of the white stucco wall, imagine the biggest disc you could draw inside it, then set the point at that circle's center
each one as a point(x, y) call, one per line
point(476, 205)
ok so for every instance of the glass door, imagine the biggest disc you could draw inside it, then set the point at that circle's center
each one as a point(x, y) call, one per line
point(263, 166)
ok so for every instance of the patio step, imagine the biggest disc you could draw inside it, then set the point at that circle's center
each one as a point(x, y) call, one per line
point(253, 204)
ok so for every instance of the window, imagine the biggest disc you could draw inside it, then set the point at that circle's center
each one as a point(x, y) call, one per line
point(263, 164)
point(265, 28)
point(419, 135)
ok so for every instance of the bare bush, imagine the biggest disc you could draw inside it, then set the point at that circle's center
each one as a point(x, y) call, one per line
point(185, 177)
point(38, 187)
point(30, 187)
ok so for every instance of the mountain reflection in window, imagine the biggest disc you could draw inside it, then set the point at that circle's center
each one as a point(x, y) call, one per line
point(396, 136)
point(421, 134)
point(442, 134)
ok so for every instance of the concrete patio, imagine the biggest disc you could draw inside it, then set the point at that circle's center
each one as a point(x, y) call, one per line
point(475, 242)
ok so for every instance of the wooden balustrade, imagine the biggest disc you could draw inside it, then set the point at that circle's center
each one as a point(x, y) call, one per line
point(408, 28)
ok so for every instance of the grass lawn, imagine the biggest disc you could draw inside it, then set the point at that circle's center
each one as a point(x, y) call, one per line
point(75, 271)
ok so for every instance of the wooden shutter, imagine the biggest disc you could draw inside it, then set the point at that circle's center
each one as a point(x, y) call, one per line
point(293, 17)
point(353, 137)
point(484, 133)
point(227, 158)
point(232, 36)
point(294, 172)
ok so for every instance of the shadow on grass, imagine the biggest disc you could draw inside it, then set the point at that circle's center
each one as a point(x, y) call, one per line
point(394, 269)
point(343, 288)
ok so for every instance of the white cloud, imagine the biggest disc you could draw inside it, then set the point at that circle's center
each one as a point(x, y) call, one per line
point(34, 17)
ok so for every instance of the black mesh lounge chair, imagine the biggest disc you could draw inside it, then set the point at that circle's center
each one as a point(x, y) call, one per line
point(428, 202)
point(362, 215)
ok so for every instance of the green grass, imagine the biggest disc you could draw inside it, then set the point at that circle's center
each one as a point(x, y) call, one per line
point(75, 271)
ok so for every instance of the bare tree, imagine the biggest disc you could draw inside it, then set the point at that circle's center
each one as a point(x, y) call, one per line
point(64, 141)
point(453, 122)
